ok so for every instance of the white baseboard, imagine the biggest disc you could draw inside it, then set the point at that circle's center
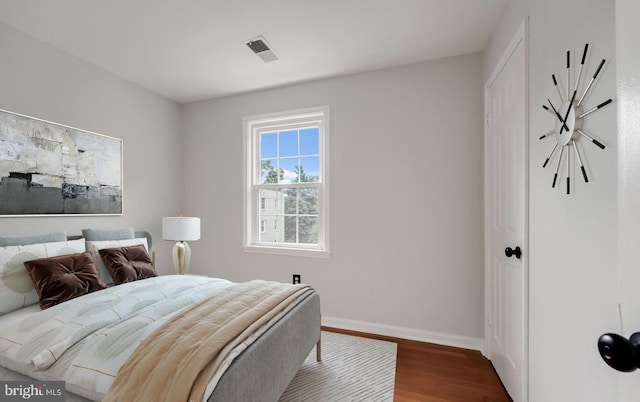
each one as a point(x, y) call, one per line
point(439, 338)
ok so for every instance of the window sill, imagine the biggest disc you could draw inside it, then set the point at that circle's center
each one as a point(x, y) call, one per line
point(296, 252)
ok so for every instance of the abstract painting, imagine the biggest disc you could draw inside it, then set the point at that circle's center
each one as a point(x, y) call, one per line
point(52, 169)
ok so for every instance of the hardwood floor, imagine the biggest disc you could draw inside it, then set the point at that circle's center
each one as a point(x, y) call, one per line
point(435, 373)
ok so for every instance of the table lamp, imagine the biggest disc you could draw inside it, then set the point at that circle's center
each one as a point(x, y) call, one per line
point(181, 229)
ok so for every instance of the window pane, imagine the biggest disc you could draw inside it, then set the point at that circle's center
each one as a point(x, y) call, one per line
point(308, 230)
point(268, 145)
point(290, 229)
point(289, 170)
point(308, 201)
point(274, 201)
point(272, 229)
point(309, 141)
point(289, 143)
point(271, 216)
point(290, 201)
point(310, 169)
point(269, 171)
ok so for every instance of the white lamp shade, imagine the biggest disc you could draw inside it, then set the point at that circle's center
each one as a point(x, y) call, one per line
point(181, 228)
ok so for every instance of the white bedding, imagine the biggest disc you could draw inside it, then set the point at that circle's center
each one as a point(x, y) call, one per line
point(85, 341)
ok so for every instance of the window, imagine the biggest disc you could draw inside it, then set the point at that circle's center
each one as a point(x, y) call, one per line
point(286, 183)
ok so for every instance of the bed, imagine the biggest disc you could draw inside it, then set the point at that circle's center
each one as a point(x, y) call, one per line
point(258, 368)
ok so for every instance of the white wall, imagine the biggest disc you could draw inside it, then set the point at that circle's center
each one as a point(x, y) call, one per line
point(573, 239)
point(406, 197)
point(628, 63)
point(41, 81)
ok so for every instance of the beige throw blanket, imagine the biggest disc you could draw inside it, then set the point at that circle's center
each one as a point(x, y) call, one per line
point(177, 361)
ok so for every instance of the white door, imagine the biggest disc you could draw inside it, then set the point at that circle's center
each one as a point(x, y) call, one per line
point(506, 219)
point(628, 99)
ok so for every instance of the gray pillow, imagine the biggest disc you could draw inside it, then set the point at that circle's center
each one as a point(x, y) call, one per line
point(107, 234)
point(33, 239)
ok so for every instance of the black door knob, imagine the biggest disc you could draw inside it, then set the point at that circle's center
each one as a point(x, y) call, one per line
point(619, 352)
point(509, 252)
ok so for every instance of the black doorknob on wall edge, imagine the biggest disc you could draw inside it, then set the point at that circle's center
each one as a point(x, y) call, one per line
point(619, 352)
point(510, 251)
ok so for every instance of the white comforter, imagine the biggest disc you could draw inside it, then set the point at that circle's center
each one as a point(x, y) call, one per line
point(86, 340)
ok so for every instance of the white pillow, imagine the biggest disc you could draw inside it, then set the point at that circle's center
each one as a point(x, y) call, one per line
point(94, 246)
point(16, 287)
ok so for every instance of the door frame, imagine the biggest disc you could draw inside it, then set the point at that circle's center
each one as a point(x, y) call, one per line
point(521, 35)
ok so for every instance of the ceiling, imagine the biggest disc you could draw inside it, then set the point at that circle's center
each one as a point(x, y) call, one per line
point(189, 50)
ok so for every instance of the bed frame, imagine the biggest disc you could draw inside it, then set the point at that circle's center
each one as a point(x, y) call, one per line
point(263, 370)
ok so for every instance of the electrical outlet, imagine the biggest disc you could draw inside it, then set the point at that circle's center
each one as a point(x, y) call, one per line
point(296, 279)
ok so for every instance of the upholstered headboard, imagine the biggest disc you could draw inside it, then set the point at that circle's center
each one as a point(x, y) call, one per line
point(137, 233)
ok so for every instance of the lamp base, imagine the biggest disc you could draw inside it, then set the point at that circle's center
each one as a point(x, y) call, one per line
point(181, 257)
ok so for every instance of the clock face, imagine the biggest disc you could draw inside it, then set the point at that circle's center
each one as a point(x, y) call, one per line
point(569, 117)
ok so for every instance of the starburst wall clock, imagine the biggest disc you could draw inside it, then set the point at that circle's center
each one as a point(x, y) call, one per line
point(569, 117)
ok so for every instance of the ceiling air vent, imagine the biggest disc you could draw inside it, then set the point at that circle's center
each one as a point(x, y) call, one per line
point(260, 47)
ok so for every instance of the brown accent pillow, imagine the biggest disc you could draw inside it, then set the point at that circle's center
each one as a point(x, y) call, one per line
point(61, 278)
point(127, 264)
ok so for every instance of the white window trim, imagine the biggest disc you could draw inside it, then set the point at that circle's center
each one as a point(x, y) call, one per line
point(251, 172)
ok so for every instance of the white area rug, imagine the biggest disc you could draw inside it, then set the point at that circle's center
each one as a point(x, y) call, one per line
point(352, 369)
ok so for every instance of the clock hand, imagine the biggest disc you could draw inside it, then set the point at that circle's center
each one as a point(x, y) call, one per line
point(558, 115)
point(603, 104)
point(590, 83)
point(566, 115)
